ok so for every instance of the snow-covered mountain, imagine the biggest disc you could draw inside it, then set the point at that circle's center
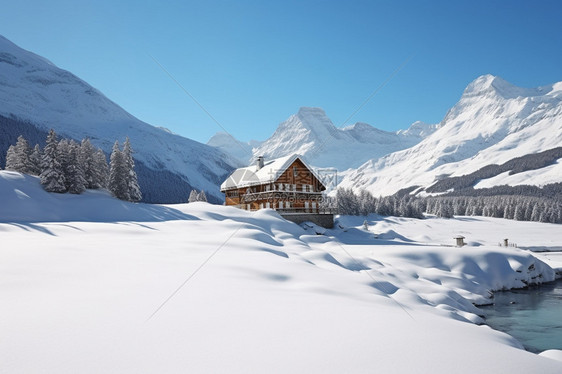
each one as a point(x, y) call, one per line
point(35, 90)
point(312, 134)
point(492, 123)
point(241, 150)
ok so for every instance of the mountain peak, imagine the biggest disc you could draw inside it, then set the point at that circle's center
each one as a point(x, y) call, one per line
point(309, 119)
point(419, 129)
point(487, 83)
point(490, 84)
point(311, 111)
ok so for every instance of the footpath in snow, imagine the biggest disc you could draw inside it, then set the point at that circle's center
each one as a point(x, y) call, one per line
point(89, 284)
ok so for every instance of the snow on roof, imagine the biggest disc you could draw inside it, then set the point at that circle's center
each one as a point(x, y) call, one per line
point(271, 170)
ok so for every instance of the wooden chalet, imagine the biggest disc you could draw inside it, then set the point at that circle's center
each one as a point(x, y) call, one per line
point(287, 185)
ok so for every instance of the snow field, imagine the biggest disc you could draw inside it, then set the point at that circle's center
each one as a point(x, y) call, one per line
point(77, 296)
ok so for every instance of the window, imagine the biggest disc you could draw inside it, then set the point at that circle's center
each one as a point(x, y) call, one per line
point(295, 171)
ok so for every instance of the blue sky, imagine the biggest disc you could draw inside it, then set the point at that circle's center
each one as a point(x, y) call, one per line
point(252, 64)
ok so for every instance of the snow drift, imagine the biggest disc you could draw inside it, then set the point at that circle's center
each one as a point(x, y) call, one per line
point(204, 288)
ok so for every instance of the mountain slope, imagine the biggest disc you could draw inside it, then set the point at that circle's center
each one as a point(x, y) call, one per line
point(36, 91)
point(492, 123)
point(240, 150)
point(312, 134)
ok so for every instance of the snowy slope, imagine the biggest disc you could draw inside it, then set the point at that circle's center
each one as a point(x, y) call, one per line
point(540, 177)
point(88, 296)
point(35, 90)
point(312, 134)
point(492, 123)
point(240, 150)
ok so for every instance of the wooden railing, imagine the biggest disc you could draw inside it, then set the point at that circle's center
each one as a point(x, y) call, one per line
point(306, 211)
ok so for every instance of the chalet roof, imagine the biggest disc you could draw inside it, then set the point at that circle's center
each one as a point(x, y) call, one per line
point(270, 172)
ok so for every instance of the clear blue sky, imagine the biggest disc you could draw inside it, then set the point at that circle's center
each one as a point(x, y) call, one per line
point(252, 64)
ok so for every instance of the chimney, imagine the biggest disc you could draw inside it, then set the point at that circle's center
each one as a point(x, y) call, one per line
point(259, 162)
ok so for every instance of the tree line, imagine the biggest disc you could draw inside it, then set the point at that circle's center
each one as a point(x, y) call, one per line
point(516, 207)
point(67, 166)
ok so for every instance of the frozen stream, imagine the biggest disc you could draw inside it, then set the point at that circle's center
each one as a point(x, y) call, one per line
point(533, 316)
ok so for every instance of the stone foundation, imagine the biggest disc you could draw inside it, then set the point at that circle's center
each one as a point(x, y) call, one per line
point(324, 220)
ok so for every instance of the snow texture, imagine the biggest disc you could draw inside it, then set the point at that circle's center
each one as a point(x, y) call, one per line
point(83, 277)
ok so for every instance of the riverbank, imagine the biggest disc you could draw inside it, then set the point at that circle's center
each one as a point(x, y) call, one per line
point(530, 315)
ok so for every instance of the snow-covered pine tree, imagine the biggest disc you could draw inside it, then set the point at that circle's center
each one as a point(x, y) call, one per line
point(101, 170)
point(118, 174)
point(63, 155)
point(201, 196)
point(11, 158)
point(132, 181)
point(35, 158)
point(193, 195)
point(18, 157)
point(86, 161)
point(75, 180)
point(52, 176)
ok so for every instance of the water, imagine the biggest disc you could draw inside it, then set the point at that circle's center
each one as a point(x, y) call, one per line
point(533, 316)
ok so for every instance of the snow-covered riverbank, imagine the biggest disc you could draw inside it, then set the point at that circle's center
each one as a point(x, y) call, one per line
point(202, 288)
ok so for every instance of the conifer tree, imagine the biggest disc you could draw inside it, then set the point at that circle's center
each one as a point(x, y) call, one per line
point(118, 174)
point(52, 177)
point(519, 213)
point(100, 171)
point(132, 181)
point(35, 158)
point(11, 158)
point(86, 161)
point(193, 196)
point(63, 156)
point(75, 181)
point(18, 157)
point(201, 196)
